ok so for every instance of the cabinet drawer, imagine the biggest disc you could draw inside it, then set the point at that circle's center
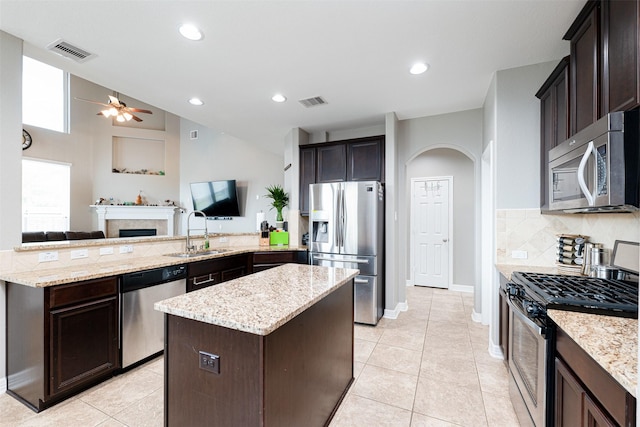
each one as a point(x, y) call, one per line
point(83, 291)
point(274, 257)
point(203, 281)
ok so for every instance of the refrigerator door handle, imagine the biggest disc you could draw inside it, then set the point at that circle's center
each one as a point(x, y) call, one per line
point(343, 215)
point(356, 261)
point(337, 228)
point(361, 281)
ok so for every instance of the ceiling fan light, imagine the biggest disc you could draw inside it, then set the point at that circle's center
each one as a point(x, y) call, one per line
point(120, 118)
point(113, 111)
point(127, 116)
point(106, 113)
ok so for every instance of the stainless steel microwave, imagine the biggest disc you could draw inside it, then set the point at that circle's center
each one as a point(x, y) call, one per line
point(598, 169)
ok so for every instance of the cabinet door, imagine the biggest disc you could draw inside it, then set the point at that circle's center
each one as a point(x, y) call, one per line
point(594, 416)
point(620, 42)
point(504, 327)
point(364, 161)
point(307, 176)
point(331, 163)
point(585, 76)
point(84, 343)
point(210, 272)
point(568, 397)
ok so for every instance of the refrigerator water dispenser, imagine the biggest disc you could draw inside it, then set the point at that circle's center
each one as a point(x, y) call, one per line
point(320, 231)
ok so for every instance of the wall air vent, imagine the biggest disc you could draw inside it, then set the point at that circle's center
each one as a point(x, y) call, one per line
point(68, 50)
point(313, 102)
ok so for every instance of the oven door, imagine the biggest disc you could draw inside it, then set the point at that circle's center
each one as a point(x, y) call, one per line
point(528, 355)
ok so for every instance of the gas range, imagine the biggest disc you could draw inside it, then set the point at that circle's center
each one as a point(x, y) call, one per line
point(536, 293)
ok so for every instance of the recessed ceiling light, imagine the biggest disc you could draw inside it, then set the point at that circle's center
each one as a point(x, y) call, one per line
point(196, 101)
point(278, 98)
point(191, 32)
point(419, 68)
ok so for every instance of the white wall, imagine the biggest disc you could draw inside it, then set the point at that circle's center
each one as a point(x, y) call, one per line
point(448, 162)
point(217, 156)
point(10, 165)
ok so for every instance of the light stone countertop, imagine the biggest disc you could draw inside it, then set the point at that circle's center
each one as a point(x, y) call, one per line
point(261, 302)
point(62, 275)
point(611, 341)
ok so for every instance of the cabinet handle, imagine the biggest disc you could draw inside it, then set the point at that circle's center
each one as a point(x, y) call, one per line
point(208, 280)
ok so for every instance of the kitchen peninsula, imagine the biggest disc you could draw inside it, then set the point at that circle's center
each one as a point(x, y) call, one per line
point(272, 348)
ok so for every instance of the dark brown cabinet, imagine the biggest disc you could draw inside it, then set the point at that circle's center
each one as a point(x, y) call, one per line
point(584, 36)
point(585, 394)
point(360, 159)
point(202, 274)
point(307, 176)
point(503, 314)
point(332, 163)
point(65, 336)
point(620, 88)
point(265, 260)
point(554, 120)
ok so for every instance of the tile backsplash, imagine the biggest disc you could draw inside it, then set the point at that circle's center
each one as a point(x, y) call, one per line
point(529, 230)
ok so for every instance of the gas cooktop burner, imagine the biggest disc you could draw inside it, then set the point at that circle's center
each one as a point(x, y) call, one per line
point(579, 293)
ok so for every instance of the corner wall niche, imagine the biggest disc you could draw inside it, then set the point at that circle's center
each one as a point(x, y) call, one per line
point(141, 156)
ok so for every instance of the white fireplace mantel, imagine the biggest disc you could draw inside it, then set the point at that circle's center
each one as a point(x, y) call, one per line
point(110, 212)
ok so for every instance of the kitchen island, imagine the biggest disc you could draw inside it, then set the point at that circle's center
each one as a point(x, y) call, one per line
point(272, 348)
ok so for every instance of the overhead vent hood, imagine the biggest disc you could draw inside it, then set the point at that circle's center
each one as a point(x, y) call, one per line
point(70, 51)
point(313, 102)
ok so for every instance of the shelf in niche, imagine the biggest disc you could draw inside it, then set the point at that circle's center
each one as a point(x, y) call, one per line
point(138, 156)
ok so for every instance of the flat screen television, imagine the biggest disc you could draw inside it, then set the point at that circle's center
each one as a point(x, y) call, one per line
point(215, 198)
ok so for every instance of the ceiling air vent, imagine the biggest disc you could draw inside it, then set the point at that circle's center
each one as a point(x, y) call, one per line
point(68, 50)
point(313, 102)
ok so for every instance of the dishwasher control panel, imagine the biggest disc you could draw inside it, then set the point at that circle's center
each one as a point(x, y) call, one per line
point(146, 278)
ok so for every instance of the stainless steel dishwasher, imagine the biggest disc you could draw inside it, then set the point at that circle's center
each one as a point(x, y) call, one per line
point(142, 327)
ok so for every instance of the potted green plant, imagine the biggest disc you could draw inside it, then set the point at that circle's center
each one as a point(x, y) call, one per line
point(280, 200)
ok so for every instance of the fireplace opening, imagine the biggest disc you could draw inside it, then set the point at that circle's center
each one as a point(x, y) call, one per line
point(137, 232)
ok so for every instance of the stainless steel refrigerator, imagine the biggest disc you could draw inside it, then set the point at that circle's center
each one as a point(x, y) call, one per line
point(346, 229)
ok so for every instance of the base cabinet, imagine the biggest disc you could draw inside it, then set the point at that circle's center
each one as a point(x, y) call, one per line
point(266, 260)
point(203, 274)
point(585, 394)
point(61, 339)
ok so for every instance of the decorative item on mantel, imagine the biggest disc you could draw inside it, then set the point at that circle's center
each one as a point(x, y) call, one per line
point(280, 200)
point(570, 252)
point(137, 172)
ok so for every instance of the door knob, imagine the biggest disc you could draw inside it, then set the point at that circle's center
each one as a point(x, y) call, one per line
point(445, 240)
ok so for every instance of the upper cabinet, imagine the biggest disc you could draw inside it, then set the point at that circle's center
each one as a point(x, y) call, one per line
point(620, 87)
point(604, 61)
point(554, 119)
point(359, 159)
point(584, 36)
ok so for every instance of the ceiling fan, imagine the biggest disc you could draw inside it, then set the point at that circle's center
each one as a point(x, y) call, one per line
point(118, 109)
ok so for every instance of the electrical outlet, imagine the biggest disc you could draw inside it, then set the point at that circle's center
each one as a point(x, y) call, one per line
point(106, 251)
point(80, 253)
point(48, 256)
point(209, 362)
point(224, 240)
point(126, 249)
point(519, 254)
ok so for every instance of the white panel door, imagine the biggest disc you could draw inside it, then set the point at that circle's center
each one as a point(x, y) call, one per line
point(430, 232)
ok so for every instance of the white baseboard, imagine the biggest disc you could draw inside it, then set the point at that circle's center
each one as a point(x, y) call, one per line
point(393, 313)
point(476, 317)
point(3, 384)
point(409, 282)
point(495, 351)
point(461, 288)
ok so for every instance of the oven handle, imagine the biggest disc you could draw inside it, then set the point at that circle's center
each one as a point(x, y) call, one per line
point(516, 311)
point(583, 163)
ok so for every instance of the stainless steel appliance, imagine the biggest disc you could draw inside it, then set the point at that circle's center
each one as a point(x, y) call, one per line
point(531, 334)
point(142, 327)
point(598, 169)
point(347, 230)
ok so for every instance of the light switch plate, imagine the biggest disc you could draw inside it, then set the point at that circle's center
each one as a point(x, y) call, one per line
point(519, 254)
point(80, 253)
point(106, 251)
point(126, 249)
point(48, 256)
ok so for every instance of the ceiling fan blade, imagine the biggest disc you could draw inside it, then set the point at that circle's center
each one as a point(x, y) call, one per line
point(139, 110)
point(93, 102)
point(136, 118)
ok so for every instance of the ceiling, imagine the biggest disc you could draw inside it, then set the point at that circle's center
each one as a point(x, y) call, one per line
point(355, 54)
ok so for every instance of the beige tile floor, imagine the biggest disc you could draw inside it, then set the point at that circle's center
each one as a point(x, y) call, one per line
point(429, 367)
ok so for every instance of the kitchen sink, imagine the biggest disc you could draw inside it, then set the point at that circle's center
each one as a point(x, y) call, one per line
point(197, 254)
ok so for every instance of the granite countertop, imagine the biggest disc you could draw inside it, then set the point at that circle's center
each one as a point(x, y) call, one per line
point(62, 275)
point(611, 341)
point(262, 302)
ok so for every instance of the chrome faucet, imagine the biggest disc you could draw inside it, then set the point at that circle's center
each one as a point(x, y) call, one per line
point(189, 246)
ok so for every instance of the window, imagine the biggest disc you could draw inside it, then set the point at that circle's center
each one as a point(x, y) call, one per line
point(45, 195)
point(45, 95)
